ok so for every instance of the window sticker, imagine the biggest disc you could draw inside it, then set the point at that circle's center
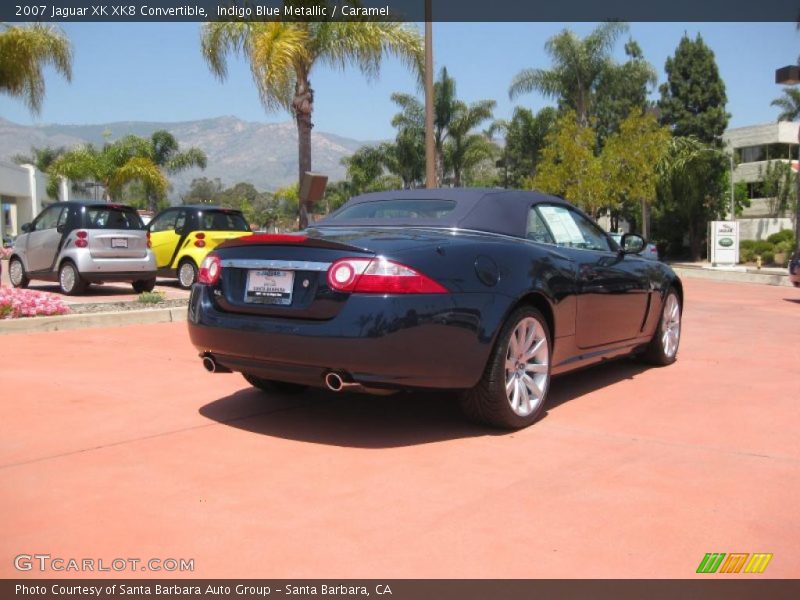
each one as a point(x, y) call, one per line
point(563, 226)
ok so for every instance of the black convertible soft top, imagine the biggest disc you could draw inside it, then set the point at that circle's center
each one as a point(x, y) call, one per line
point(481, 209)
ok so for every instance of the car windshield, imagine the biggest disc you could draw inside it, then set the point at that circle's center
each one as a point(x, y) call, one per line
point(218, 220)
point(397, 209)
point(112, 217)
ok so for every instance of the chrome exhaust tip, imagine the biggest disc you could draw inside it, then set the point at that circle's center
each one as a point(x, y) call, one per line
point(334, 382)
point(209, 364)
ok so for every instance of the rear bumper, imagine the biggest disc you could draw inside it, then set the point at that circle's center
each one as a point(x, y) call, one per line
point(112, 269)
point(386, 341)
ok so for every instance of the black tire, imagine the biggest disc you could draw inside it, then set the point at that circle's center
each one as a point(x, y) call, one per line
point(269, 385)
point(187, 263)
point(658, 351)
point(79, 284)
point(488, 403)
point(21, 276)
point(144, 285)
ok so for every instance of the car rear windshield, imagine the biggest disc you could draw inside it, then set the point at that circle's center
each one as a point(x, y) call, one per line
point(112, 217)
point(398, 209)
point(218, 220)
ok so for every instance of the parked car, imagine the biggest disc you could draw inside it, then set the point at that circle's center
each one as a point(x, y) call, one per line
point(794, 269)
point(77, 243)
point(650, 250)
point(183, 235)
point(491, 292)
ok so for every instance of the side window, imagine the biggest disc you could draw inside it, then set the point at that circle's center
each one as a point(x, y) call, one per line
point(63, 218)
point(595, 238)
point(48, 219)
point(180, 221)
point(572, 230)
point(536, 229)
point(165, 222)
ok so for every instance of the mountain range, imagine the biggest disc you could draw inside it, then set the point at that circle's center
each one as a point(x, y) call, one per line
point(264, 154)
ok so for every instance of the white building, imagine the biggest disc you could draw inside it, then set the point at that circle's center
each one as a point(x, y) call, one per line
point(753, 148)
point(23, 194)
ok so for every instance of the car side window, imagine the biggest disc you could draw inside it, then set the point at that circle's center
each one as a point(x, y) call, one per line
point(594, 237)
point(573, 230)
point(165, 222)
point(63, 218)
point(536, 229)
point(48, 219)
point(180, 221)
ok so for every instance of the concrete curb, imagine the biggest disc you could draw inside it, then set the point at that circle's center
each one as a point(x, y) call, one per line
point(104, 319)
point(733, 276)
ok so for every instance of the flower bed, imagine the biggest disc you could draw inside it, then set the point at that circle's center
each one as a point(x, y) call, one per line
point(16, 303)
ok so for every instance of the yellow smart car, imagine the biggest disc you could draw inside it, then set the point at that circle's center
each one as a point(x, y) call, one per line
point(181, 236)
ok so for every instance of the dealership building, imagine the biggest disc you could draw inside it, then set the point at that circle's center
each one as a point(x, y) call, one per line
point(23, 193)
point(753, 147)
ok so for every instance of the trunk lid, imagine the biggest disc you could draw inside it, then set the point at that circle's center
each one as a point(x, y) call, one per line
point(286, 275)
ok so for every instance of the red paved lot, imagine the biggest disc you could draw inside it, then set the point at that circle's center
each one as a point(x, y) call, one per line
point(115, 443)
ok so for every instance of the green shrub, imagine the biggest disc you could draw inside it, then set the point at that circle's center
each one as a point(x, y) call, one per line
point(746, 255)
point(746, 244)
point(767, 258)
point(762, 246)
point(784, 247)
point(151, 297)
point(784, 235)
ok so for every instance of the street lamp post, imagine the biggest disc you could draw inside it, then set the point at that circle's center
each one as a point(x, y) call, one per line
point(430, 149)
point(790, 75)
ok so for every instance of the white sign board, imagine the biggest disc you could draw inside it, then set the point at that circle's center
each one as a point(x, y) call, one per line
point(724, 243)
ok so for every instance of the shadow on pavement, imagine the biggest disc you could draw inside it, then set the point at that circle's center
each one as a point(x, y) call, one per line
point(795, 300)
point(404, 419)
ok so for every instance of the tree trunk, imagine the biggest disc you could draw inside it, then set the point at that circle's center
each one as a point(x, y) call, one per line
point(303, 105)
point(645, 219)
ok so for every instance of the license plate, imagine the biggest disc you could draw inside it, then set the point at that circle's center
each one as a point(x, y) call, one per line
point(119, 242)
point(269, 286)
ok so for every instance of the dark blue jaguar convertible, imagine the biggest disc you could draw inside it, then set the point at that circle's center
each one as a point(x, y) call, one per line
point(491, 292)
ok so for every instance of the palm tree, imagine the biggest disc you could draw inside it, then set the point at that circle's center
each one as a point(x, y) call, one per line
point(450, 117)
point(465, 149)
point(165, 152)
point(24, 52)
point(113, 166)
point(789, 104)
point(577, 67)
point(282, 56)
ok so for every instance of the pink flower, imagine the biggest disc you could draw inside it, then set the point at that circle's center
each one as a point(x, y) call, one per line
point(16, 303)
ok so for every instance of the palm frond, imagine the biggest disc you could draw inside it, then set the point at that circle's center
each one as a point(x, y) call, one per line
point(24, 52)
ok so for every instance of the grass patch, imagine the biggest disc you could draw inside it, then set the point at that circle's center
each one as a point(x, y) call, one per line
point(151, 297)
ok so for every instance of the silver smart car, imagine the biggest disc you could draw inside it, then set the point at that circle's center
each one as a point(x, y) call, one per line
point(77, 243)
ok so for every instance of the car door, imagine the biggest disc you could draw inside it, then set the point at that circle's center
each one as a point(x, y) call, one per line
point(44, 240)
point(163, 237)
point(612, 287)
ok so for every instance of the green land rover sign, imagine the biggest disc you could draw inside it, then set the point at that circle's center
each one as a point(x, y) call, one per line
point(725, 242)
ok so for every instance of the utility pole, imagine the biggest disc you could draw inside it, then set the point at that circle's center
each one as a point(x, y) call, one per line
point(430, 148)
point(790, 75)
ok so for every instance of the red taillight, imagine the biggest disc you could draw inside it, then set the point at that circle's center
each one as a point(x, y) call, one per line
point(210, 270)
point(379, 276)
point(149, 243)
point(199, 243)
point(81, 241)
point(200, 235)
point(82, 234)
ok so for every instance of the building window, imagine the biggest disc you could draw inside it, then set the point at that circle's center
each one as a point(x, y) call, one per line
point(763, 152)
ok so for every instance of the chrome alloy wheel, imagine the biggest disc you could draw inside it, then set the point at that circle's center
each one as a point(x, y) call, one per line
point(15, 273)
point(67, 278)
point(186, 275)
point(527, 373)
point(671, 326)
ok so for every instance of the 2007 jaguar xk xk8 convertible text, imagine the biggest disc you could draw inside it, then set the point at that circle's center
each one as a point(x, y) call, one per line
point(491, 292)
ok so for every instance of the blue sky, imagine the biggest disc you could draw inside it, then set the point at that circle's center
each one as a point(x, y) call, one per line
point(155, 72)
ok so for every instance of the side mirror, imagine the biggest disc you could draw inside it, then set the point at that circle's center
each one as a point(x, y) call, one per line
point(25, 227)
point(632, 243)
